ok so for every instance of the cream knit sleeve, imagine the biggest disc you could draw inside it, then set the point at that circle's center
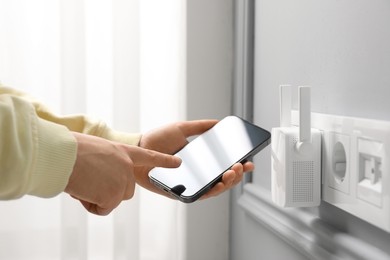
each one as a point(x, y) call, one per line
point(36, 156)
point(77, 123)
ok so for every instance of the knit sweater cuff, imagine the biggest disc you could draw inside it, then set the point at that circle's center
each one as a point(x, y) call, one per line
point(56, 156)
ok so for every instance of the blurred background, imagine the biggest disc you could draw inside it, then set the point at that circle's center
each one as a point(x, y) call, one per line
point(121, 61)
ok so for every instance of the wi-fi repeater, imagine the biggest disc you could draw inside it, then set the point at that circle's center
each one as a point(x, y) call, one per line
point(296, 154)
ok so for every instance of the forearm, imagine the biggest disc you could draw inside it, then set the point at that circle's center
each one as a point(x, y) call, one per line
point(76, 123)
point(38, 150)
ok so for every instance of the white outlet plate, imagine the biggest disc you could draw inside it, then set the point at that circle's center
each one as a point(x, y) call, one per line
point(359, 181)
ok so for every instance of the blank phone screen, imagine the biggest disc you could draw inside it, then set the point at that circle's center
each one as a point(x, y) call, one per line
point(208, 156)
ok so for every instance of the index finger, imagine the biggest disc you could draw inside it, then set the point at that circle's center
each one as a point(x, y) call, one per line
point(196, 127)
point(144, 157)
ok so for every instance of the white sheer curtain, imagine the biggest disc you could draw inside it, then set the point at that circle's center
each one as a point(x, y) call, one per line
point(118, 60)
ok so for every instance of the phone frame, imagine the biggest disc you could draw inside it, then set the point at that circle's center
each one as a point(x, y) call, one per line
point(189, 199)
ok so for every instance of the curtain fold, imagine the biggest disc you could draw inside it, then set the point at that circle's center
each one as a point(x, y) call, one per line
point(122, 61)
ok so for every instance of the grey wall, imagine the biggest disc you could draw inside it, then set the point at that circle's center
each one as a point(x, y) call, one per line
point(342, 49)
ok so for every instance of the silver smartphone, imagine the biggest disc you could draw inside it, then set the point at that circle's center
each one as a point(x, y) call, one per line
point(208, 156)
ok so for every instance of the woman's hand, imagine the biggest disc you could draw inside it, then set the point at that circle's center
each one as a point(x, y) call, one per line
point(103, 174)
point(170, 139)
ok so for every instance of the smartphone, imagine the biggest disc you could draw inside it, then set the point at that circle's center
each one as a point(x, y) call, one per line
point(208, 156)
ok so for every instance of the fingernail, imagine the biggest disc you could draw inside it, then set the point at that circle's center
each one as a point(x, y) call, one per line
point(178, 160)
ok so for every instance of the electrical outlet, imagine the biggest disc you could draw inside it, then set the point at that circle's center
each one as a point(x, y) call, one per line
point(336, 161)
point(356, 165)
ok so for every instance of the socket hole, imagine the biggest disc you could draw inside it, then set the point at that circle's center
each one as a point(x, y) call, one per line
point(339, 162)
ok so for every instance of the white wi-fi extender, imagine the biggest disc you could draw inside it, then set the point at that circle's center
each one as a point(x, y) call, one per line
point(296, 155)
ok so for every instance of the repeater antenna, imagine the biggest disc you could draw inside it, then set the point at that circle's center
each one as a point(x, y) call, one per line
point(304, 114)
point(285, 105)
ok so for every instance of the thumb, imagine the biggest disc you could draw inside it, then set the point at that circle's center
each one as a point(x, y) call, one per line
point(196, 127)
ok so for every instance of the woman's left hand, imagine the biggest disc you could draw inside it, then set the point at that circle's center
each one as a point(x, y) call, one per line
point(170, 139)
